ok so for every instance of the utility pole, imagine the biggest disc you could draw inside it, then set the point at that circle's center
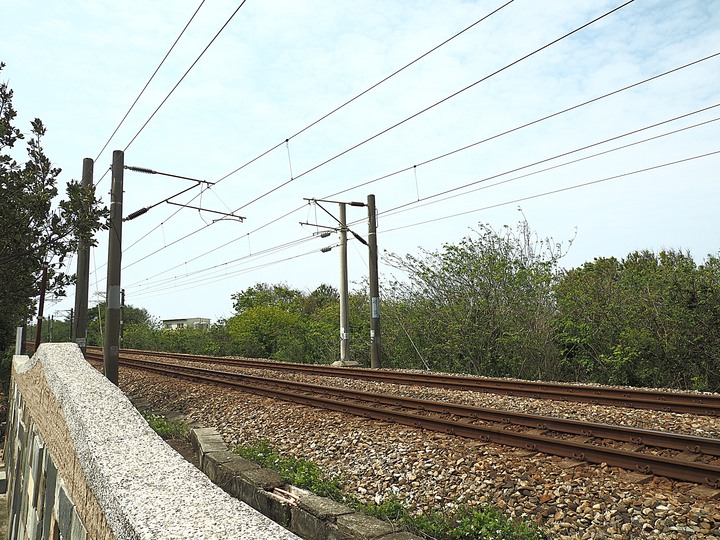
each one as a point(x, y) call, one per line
point(79, 328)
point(122, 318)
point(375, 360)
point(344, 324)
point(41, 307)
point(111, 342)
point(72, 321)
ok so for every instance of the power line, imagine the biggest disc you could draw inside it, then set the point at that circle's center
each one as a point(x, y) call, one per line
point(336, 109)
point(553, 192)
point(149, 81)
point(466, 147)
point(528, 124)
point(395, 125)
point(349, 101)
point(451, 96)
point(227, 276)
point(412, 205)
point(185, 74)
point(179, 81)
point(258, 254)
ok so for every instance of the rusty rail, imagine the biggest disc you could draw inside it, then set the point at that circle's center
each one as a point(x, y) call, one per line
point(461, 419)
point(678, 402)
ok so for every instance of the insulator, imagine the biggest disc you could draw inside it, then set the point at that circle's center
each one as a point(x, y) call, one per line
point(135, 214)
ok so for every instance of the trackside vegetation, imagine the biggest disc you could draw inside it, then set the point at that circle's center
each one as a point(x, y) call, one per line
point(497, 303)
point(457, 524)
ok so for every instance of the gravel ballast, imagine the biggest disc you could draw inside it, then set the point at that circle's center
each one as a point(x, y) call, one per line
point(433, 471)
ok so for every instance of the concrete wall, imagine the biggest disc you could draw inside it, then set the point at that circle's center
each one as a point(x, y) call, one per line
point(307, 515)
point(82, 463)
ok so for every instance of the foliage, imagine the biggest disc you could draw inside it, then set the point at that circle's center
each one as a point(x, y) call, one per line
point(164, 427)
point(36, 232)
point(456, 524)
point(264, 295)
point(298, 472)
point(482, 306)
point(646, 320)
point(285, 324)
point(135, 320)
point(459, 523)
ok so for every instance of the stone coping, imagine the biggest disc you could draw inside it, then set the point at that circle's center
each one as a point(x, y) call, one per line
point(144, 488)
point(302, 512)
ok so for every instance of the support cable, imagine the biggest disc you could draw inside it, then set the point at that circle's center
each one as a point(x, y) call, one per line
point(149, 81)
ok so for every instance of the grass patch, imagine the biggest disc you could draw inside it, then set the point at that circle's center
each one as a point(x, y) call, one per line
point(298, 472)
point(461, 523)
point(165, 428)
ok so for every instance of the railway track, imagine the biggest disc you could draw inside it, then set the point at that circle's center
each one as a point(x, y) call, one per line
point(681, 457)
point(678, 402)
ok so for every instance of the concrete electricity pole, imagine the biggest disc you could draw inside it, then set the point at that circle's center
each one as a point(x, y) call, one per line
point(111, 342)
point(371, 243)
point(79, 328)
point(344, 323)
point(375, 360)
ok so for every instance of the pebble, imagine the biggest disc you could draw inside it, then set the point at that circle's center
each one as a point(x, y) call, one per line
point(432, 471)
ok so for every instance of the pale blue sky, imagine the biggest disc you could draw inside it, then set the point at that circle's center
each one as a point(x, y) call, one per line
point(280, 65)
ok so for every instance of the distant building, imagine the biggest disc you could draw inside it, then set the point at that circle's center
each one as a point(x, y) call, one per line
point(195, 322)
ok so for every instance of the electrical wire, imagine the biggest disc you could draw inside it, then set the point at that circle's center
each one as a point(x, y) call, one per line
point(372, 87)
point(528, 124)
point(232, 16)
point(396, 125)
point(149, 80)
point(412, 205)
point(430, 107)
point(274, 249)
point(228, 276)
point(407, 206)
point(336, 109)
point(555, 191)
point(447, 154)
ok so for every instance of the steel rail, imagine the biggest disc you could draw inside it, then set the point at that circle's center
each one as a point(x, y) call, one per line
point(704, 404)
point(697, 472)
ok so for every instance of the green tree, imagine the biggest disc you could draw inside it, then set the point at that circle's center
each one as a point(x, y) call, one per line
point(263, 294)
point(275, 321)
point(647, 320)
point(482, 306)
point(36, 231)
point(137, 326)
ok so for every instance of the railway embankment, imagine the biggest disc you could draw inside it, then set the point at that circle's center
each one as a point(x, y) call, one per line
point(570, 498)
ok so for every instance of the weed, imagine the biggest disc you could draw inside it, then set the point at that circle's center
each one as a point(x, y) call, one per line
point(165, 428)
point(461, 523)
point(298, 472)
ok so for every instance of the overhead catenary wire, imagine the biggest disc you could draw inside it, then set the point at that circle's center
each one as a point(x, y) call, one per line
point(432, 106)
point(466, 147)
point(555, 191)
point(370, 88)
point(215, 279)
point(531, 123)
point(338, 108)
point(414, 204)
point(259, 254)
point(357, 145)
point(427, 200)
point(172, 90)
point(122, 121)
